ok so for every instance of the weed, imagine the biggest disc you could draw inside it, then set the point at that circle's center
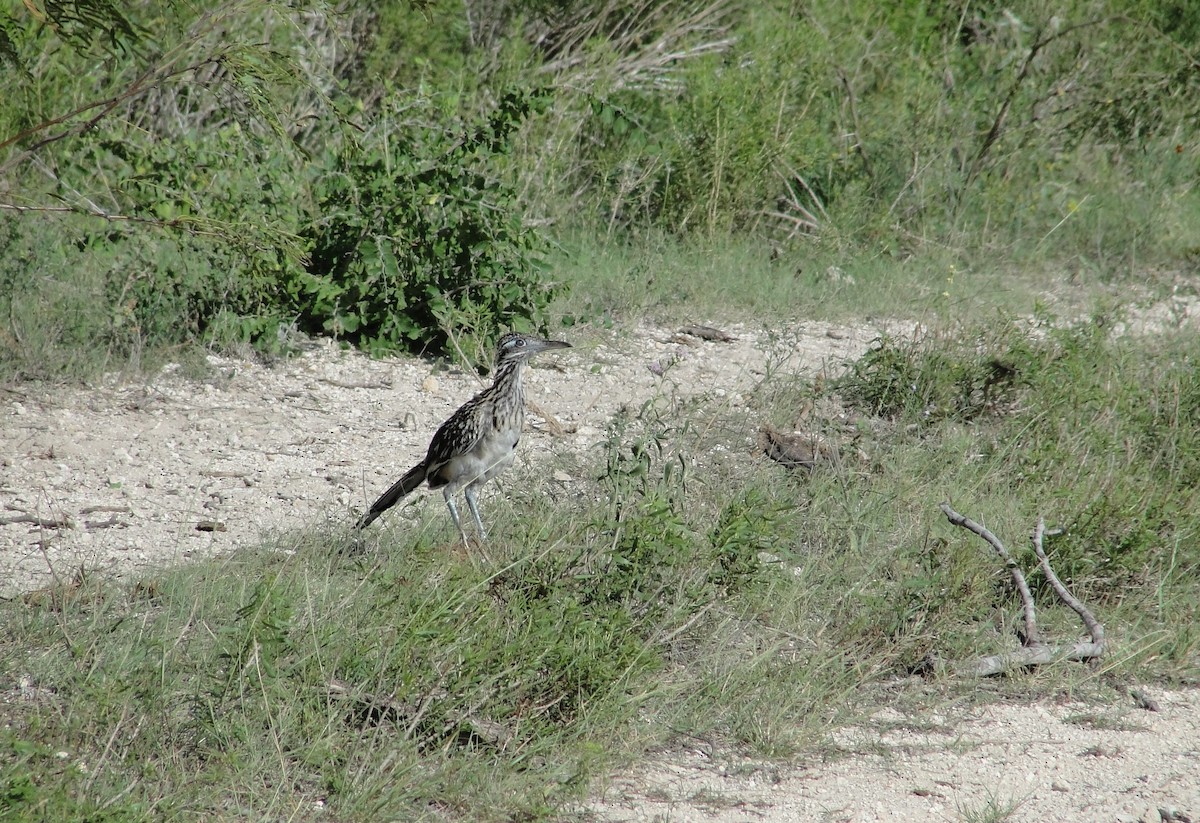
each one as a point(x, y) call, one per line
point(993, 810)
point(921, 381)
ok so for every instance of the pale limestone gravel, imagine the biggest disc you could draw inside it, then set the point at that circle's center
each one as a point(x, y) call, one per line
point(258, 449)
point(1042, 762)
point(263, 449)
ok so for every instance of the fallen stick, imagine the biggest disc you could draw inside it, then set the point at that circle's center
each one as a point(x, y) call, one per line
point(1033, 651)
point(41, 522)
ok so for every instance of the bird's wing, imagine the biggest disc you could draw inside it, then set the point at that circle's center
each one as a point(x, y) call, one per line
point(458, 435)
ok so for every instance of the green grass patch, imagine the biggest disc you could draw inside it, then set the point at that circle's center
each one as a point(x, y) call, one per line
point(673, 280)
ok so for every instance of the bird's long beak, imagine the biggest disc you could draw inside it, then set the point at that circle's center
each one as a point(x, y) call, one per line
point(547, 345)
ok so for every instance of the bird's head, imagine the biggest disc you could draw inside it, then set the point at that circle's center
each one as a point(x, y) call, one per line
point(515, 346)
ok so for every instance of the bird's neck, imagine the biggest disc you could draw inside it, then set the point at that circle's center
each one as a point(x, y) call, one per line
point(508, 379)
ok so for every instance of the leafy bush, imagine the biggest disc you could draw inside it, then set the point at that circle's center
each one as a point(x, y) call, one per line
point(208, 220)
point(416, 240)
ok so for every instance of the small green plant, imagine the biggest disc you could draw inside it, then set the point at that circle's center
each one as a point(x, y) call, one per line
point(992, 810)
point(931, 380)
point(748, 525)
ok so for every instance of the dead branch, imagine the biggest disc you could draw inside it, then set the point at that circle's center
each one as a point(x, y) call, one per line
point(1033, 651)
point(41, 522)
point(1031, 635)
point(356, 384)
point(112, 509)
point(794, 209)
point(649, 39)
point(110, 523)
point(1095, 630)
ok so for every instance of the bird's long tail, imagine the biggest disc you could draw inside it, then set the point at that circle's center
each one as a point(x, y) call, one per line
point(411, 479)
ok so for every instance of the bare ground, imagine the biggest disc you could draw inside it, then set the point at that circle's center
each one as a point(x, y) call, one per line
point(1061, 762)
point(140, 475)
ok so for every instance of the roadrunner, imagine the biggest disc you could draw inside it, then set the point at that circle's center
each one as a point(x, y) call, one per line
point(478, 441)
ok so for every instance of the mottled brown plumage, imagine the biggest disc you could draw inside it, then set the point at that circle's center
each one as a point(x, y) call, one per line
point(795, 451)
point(478, 441)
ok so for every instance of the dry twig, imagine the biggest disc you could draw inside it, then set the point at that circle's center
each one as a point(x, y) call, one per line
point(1033, 651)
point(40, 522)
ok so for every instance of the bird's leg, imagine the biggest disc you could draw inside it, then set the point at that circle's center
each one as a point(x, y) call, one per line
point(454, 515)
point(473, 504)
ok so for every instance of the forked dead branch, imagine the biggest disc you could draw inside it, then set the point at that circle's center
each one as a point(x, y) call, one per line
point(1034, 651)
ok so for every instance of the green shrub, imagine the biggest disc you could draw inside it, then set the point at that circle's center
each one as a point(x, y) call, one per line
point(416, 241)
point(926, 380)
point(210, 221)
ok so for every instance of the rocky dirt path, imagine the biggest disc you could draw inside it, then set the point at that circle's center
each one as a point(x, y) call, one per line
point(173, 467)
point(122, 478)
point(1039, 763)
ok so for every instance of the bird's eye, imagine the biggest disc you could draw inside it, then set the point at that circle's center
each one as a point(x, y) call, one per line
point(519, 343)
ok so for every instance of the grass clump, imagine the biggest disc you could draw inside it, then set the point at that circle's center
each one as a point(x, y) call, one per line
point(914, 380)
point(1095, 432)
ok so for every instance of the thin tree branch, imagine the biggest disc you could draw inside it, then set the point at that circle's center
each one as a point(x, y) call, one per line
point(1034, 651)
point(1094, 627)
point(1031, 633)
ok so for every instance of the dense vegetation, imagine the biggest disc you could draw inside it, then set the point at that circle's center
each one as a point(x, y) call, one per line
point(418, 177)
point(397, 176)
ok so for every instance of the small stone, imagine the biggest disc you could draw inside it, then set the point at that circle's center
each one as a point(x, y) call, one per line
point(1060, 786)
point(430, 385)
point(562, 476)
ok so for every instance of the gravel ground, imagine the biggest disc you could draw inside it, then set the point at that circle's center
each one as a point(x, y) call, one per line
point(1066, 763)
